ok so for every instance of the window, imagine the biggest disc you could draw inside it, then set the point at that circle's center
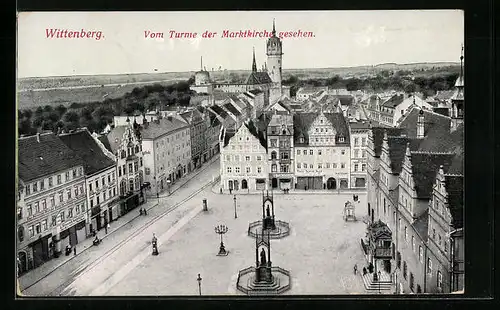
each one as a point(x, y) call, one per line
point(434, 233)
point(311, 152)
point(19, 213)
point(356, 153)
point(30, 211)
point(273, 155)
point(131, 185)
point(28, 189)
point(446, 247)
point(412, 280)
point(334, 165)
point(429, 266)
point(74, 173)
point(62, 216)
point(37, 207)
point(44, 205)
point(35, 187)
point(104, 196)
point(70, 213)
point(363, 153)
point(439, 240)
point(59, 179)
point(38, 228)
point(77, 209)
point(273, 168)
point(356, 140)
point(91, 203)
point(66, 176)
point(130, 168)
point(405, 269)
point(319, 152)
point(259, 158)
point(53, 222)
point(413, 243)
point(31, 231)
point(237, 169)
point(342, 152)
point(298, 165)
point(42, 185)
point(399, 224)
point(341, 139)
point(109, 178)
point(76, 191)
point(96, 184)
point(247, 158)
point(406, 233)
point(439, 280)
point(298, 152)
point(311, 166)
point(363, 141)
point(248, 169)
point(355, 167)
point(98, 199)
point(69, 194)
point(342, 165)
point(328, 165)
point(363, 167)
point(229, 170)
point(228, 158)
point(51, 182)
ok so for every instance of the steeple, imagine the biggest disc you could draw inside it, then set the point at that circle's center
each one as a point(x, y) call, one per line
point(201, 63)
point(254, 64)
point(461, 62)
point(274, 29)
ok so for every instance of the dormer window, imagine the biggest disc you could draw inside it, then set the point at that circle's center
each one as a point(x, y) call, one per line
point(301, 139)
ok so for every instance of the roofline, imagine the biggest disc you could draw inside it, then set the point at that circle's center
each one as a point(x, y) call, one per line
point(49, 174)
point(101, 170)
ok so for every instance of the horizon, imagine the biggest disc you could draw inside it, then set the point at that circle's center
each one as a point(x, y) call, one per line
point(336, 39)
point(290, 69)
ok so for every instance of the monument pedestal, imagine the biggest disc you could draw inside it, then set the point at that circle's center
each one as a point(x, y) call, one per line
point(263, 274)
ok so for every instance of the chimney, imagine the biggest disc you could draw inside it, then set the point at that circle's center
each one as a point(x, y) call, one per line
point(38, 137)
point(420, 125)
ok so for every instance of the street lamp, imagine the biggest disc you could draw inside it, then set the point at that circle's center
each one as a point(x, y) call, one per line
point(168, 183)
point(199, 283)
point(235, 214)
point(221, 230)
point(158, 197)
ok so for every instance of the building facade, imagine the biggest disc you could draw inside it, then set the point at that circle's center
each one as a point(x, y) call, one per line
point(322, 151)
point(124, 145)
point(281, 151)
point(100, 178)
point(51, 206)
point(359, 142)
point(243, 160)
point(166, 148)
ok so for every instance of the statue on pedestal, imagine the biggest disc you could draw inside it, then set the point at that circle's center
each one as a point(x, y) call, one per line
point(262, 257)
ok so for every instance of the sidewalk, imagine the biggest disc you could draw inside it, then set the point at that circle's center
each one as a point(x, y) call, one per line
point(216, 190)
point(33, 276)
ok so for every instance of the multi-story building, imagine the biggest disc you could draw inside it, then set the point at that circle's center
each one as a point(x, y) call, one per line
point(124, 144)
point(51, 204)
point(359, 142)
point(281, 151)
point(243, 159)
point(322, 151)
point(402, 165)
point(197, 133)
point(100, 177)
point(166, 149)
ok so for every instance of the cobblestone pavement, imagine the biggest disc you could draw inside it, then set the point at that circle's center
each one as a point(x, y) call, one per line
point(54, 276)
point(320, 251)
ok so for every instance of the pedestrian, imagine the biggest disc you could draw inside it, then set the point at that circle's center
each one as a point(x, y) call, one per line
point(364, 270)
point(140, 211)
point(220, 190)
point(355, 268)
point(106, 228)
point(74, 250)
point(109, 226)
point(145, 213)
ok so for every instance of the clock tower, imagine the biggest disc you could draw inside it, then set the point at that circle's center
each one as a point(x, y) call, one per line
point(274, 58)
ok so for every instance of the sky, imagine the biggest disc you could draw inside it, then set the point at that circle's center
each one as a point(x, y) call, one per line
point(341, 39)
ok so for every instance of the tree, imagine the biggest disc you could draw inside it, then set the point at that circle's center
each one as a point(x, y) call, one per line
point(61, 109)
point(48, 108)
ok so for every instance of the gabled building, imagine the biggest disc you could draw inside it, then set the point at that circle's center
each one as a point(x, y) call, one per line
point(51, 199)
point(359, 142)
point(197, 133)
point(322, 151)
point(100, 177)
point(125, 144)
point(243, 159)
point(280, 147)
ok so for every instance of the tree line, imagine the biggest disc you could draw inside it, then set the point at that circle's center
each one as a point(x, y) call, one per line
point(96, 115)
point(385, 80)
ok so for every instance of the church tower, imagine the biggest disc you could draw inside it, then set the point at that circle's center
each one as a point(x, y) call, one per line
point(274, 57)
point(457, 100)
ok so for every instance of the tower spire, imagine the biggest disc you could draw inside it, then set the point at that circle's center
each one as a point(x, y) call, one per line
point(201, 63)
point(254, 63)
point(274, 28)
point(461, 62)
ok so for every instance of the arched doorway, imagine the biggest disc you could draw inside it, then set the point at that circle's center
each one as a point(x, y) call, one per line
point(236, 185)
point(331, 183)
point(22, 262)
point(230, 184)
point(244, 184)
point(343, 184)
point(274, 182)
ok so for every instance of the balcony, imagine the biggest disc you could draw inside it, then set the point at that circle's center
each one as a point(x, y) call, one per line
point(385, 253)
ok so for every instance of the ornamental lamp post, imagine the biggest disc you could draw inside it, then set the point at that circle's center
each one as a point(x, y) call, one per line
point(221, 230)
point(168, 183)
point(235, 214)
point(199, 283)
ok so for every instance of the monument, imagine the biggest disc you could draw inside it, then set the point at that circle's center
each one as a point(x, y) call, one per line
point(276, 229)
point(154, 243)
point(263, 279)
